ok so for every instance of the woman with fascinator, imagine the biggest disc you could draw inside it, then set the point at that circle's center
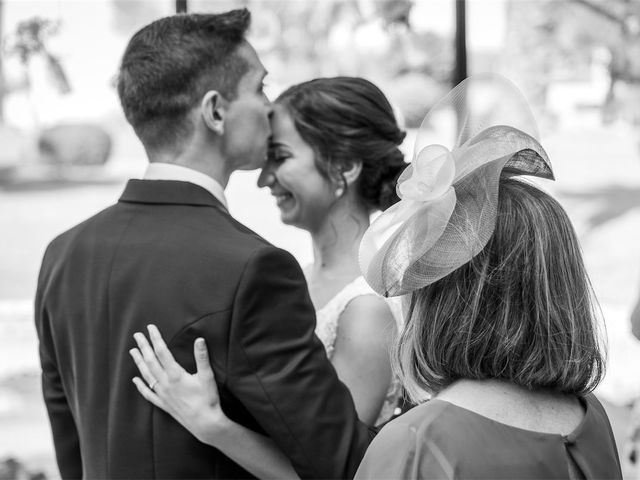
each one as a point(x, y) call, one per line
point(501, 322)
point(334, 160)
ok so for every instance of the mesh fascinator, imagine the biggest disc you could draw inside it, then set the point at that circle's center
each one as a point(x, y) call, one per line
point(481, 131)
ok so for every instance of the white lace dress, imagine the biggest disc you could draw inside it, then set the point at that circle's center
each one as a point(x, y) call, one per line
point(327, 330)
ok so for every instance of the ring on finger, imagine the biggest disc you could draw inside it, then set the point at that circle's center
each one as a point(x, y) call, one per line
point(153, 384)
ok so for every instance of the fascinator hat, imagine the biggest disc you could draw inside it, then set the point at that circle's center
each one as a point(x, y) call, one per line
point(483, 130)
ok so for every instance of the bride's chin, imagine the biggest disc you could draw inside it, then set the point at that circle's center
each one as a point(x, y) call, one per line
point(290, 218)
point(285, 218)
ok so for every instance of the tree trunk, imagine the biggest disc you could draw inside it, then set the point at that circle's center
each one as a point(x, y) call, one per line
point(2, 82)
point(460, 72)
point(600, 10)
point(181, 6)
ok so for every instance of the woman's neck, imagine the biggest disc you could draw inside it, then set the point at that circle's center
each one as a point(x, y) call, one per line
point(543, 411)
point(336, 241)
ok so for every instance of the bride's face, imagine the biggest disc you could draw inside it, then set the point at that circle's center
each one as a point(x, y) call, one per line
point(302, 194)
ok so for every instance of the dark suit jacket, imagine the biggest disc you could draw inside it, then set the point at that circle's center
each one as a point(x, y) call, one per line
point(169, 253)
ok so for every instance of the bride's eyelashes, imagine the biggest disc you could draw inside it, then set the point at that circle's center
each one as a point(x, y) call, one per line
point(279, 156)
point(276, 159)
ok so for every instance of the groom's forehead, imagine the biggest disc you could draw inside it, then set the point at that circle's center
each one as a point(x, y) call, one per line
point(253, 72)
point(249, 54)
point(252, 77)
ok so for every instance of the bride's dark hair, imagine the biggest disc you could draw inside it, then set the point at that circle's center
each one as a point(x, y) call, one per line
point(346, 120)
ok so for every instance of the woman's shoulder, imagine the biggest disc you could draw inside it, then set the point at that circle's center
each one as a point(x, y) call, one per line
point(361, 301)
point(431, 419)
point(367, 312)
point(358, 313)
point(359, 297)
point(368, 302)
point(596, 421)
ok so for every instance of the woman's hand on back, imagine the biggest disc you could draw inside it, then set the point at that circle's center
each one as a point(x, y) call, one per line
point(192, 399)
point(194, 402)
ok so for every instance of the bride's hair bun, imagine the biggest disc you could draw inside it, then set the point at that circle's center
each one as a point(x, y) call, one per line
point(387, 195)
point(345, 120)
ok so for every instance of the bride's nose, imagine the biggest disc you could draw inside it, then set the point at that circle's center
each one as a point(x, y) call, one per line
point(267, 176)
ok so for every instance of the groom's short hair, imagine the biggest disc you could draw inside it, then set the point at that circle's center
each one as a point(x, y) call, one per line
point(171, 63)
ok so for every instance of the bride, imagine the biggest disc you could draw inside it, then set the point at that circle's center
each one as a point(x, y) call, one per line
point(334, 160)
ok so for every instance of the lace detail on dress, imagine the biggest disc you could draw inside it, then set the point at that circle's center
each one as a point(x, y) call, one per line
point(327, 330)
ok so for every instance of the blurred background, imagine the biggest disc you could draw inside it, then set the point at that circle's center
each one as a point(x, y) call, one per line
point(66, 150)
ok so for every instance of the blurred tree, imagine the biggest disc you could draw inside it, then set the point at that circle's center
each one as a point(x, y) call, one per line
point(370, 38)
point(13, 469)
point(336, 36)
point(557, 39)
point(396, 12)
point(29, 41)
point(624, 16)
point(130, 15)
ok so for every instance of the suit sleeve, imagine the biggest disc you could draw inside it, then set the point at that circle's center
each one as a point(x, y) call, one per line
point(65, 434)
point(279, 370)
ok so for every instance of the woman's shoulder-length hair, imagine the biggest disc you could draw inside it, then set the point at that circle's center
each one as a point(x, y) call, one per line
point(522, 310)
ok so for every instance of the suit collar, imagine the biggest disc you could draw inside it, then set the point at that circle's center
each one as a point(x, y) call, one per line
point(170, 171)
point(168, 192)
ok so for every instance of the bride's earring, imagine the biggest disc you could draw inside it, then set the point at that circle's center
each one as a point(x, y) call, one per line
point(339, 192)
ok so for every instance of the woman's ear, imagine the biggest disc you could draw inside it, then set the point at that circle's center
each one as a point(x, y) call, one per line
point(213, 108)
point(349, 175)
point(352, 171)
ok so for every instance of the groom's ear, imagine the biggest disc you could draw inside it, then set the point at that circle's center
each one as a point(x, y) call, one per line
point(213, 110)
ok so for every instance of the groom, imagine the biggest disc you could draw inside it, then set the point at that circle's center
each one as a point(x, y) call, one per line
point(170, 253)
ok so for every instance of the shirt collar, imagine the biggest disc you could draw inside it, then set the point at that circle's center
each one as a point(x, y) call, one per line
point(170, 171)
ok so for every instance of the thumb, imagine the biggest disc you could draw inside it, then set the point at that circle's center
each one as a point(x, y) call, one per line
point(201, 355)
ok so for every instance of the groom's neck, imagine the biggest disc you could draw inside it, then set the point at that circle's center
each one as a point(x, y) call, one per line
point(207, 163)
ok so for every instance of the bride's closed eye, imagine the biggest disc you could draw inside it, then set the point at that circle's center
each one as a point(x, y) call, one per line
point(277, 156)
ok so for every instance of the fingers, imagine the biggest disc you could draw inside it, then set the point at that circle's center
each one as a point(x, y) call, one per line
point(148, 394)
point(202, 359)
point(142, 366)
point(149, 358)
point(163, 354)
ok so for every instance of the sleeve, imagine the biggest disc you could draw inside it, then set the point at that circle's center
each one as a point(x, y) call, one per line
point(279, 370)
point(400, 452)
point(65, 435)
